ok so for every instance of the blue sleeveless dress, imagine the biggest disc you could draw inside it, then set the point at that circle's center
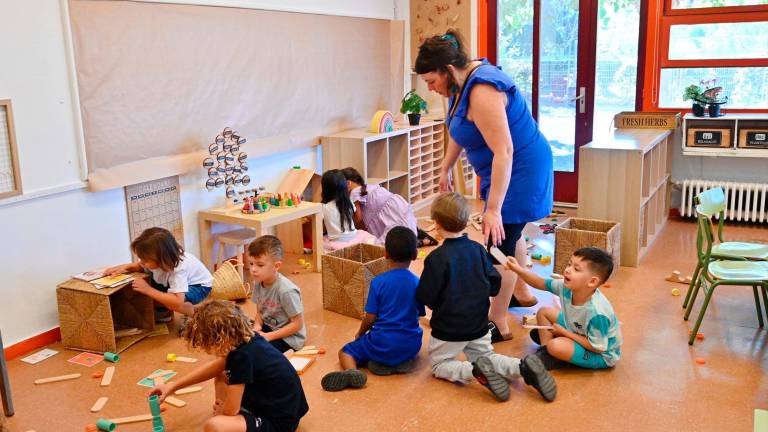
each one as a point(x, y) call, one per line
point(529, 195)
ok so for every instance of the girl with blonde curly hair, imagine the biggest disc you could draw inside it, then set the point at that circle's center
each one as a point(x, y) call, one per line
point(257, 388)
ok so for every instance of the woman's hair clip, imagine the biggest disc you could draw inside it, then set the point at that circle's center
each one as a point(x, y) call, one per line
point(451, 38)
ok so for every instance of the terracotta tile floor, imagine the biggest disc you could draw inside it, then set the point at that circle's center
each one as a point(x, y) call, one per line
point(657, 385)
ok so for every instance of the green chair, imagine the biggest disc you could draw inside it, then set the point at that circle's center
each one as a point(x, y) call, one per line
point(712, 202)
point(716, 271)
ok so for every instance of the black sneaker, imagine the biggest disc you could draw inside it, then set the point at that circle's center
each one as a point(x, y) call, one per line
point(550, 362)
point(496, 335)
point(486, 375)
point(381, 369)
point(336, 381)
point(535, 375)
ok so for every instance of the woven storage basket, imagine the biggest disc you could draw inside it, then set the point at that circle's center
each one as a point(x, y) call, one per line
point(575, 233)
point(347, 275)
point(227, 284)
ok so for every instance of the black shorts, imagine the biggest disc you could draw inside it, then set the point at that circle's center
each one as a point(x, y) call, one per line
point(512, 233)
point(255, 423)
point(280, 344)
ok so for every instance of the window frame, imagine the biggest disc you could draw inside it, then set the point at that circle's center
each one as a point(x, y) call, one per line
point(710, 15)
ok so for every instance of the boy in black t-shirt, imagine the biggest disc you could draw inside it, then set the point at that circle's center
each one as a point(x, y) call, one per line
point(257, 388)
point(457, 280)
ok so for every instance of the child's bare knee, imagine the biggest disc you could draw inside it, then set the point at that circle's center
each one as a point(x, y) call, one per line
point(213, 424)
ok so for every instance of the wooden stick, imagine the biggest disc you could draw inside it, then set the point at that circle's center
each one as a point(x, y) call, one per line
point(132, 419)
point(310, 351)
point(57, 378)
point(186, 359)
point(178, 403)
point(127, 332)
point(188, 390)
point(99, 404)
point(531, 326)
point(109, 372)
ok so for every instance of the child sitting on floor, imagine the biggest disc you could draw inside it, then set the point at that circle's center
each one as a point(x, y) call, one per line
point(257, 388)
point(586, 332)
point(178, 279)
point(338, 214)
point(456, 283)
point(280, 320)
point(389, 338)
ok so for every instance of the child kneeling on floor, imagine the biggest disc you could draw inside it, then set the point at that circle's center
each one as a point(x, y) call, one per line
point(389, 338)
point(178, 279)
point(586, 331)
point(456, 283)
point(281, 312)
point(257, 388)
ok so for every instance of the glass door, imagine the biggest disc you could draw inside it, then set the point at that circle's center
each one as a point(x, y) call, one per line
point(554, 44)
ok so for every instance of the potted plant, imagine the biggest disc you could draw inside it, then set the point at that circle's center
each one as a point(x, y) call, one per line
point(712, 97)
point(693, 92)
point(413, 105)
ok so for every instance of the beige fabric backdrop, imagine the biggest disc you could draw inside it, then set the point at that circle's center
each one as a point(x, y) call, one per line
point(157, 82)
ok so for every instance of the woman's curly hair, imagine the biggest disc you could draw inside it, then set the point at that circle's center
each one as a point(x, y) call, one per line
point(217, 327)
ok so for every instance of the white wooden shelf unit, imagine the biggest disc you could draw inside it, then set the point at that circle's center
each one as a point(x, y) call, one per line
point(624, 176)
point(738, 130)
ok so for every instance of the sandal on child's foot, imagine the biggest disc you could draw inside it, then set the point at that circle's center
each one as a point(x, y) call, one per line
point(486, 375)
point(535, 336)
point(496, 335)
point(515, 303)
point(535, 374)
point(336, 381)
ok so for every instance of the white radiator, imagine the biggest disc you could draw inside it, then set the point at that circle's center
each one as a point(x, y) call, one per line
point(743, 201)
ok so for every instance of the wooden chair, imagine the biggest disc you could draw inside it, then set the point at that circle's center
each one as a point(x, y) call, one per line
point(240, 239)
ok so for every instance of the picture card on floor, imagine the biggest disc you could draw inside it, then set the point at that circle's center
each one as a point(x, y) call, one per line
point(87, 359)
point(149, 382)
point(39, 356)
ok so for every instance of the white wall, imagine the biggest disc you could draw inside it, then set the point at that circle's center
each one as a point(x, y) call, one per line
point(49, 234)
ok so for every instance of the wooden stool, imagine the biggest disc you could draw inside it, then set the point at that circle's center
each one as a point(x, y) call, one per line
point(239, 239)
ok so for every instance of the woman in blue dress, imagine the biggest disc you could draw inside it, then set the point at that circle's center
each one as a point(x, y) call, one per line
point(488, 117)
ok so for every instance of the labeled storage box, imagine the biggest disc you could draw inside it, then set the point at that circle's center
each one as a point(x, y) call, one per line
point(646, 120)
point(347, 275)
point(709, 137)
point(576, 233)
point(88, 316)
point(753, 138)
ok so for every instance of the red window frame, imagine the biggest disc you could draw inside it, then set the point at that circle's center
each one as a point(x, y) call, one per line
point(661, 21)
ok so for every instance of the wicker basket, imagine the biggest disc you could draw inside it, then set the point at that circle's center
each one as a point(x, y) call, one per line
point(347, 275)
point(575, 233)
point(227, 283)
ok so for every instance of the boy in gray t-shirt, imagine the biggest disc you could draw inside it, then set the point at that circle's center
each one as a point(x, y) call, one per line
point(281, 318)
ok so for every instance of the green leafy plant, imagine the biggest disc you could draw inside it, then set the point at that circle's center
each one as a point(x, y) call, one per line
point(413, 103)
point(692, 92)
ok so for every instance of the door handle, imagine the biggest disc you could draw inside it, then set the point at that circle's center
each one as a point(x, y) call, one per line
point(582, 100)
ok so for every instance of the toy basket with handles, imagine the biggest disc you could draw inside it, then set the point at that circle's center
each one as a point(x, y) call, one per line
point(227, 283)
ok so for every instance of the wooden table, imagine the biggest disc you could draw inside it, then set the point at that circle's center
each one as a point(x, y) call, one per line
point(260, 222)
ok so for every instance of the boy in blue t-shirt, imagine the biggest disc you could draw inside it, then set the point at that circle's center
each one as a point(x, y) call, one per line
point(586, 331)
point(389, 338)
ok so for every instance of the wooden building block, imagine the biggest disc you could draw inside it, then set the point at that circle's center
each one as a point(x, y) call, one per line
point(187, 390)
point(57, 378)
point(178, 403)
point(99, 404)
point(108, 374)
point(132, 419)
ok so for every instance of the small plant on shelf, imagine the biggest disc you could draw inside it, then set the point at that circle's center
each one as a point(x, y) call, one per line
point(413, 105)
point(693, 92)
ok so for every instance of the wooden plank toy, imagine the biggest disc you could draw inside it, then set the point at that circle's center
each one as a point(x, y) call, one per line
point(676, 277)
point(132, 419)
point(187, 390)
point(178, 403)
point(57, 378)
point(301, 363)
point(108, 374)
point(99, 404)
point(305, 351)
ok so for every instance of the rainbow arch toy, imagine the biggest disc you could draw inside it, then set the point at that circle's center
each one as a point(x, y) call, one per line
point(382, 121)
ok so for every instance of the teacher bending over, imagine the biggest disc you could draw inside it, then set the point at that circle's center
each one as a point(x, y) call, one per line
point(488, 117)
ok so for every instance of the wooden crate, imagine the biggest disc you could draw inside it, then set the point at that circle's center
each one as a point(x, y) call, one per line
point(646, 120)
point(88, 316)
point(347, 275)
point(718, 138)
point(576, 233)
point(753, 138)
